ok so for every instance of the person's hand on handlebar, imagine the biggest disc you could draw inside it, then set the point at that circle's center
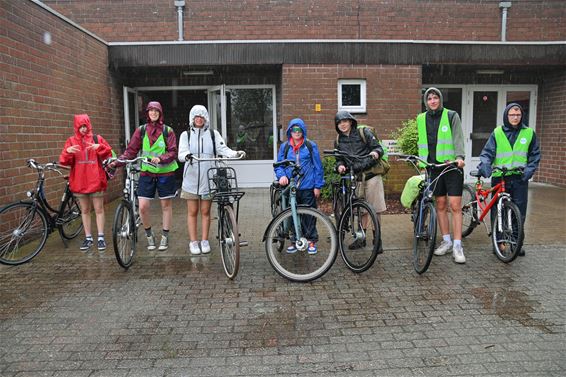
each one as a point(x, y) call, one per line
point(460, 163)
point(374, 155)
point(241, 154)
point(341, 169)
point(283, 181)
point(156, 160)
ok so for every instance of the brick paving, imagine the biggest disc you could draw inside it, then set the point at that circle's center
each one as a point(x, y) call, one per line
point(69, 314)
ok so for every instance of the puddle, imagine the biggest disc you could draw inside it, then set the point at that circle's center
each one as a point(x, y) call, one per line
point(512, 305)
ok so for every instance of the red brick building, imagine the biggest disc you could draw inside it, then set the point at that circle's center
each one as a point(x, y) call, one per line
point(256, 64)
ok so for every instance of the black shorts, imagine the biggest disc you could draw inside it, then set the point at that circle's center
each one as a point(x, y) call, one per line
point(450, 183)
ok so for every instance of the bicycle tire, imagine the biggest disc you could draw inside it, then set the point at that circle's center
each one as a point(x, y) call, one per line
point(423, 243)
point(70, 221)
point(124, 234)
point(469, 210)
point(23, 232)
point(358, 246)
point(229, 239)
point(508, 243)
point(301, 266)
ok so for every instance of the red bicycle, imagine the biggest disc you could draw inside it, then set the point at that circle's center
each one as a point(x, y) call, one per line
point(506, 226)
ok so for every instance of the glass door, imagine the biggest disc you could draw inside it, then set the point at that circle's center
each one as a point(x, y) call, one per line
point(217, 108)
point(131, 114)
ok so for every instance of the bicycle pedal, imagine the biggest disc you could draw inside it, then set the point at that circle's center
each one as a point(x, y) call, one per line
point(244, 243)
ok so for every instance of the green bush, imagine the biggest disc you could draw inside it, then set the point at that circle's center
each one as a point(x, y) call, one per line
point(330, 176)
point(407, 137)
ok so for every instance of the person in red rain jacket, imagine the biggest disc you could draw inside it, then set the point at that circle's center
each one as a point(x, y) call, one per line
point(87, 179)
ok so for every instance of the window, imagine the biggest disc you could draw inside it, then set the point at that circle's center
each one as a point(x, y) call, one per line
point(352, 95)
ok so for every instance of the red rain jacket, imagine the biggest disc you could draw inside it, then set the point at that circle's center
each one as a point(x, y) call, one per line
point(87, 175)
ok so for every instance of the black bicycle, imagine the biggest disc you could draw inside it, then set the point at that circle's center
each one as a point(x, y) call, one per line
point(423, 213)
point(223, 186)
point(25, 225)
point(359, 231)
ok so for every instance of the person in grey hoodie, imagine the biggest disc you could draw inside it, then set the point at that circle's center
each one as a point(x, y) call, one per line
point(197, 141)
point(440, 139)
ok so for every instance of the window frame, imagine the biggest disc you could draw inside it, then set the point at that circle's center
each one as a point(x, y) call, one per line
point(363, 95)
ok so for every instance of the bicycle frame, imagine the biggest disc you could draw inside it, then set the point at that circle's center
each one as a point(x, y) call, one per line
point(485, 205)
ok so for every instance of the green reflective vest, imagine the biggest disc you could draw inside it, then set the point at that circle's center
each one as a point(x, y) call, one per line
point(157, 149)
point(444, 143)
point(511, 157)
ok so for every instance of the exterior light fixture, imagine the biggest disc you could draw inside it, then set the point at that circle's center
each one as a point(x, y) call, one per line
point(490, 71)
point(198, 73)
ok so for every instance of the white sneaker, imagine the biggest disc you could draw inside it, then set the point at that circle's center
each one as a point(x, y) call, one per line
point(151, 242)
point(164, 244)
point(443, 248)
point(205, 246)
point(193, 248)
point(458, 254)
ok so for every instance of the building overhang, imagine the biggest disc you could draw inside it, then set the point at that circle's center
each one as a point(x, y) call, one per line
point(212, 53)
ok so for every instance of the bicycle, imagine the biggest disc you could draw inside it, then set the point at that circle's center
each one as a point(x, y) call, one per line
point(423, 211)
point(25, 225)
point(359, 231)
point(223, 186)
point(126, 216)
point(287, 226)
point(507, 238)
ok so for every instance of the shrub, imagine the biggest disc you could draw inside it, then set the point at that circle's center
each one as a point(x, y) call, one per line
point(330, 176)
point(407, 137)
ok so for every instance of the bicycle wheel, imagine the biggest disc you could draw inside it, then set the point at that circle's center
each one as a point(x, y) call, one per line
point(229, 242)
point(424, 241)
point(23, 232)
point(301, 266)
point(469, 210)
point(507, 235)
point(70, 221)
point(124, 234)
point(359, 236)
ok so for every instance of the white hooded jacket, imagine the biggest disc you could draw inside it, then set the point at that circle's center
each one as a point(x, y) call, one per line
point(195, 179)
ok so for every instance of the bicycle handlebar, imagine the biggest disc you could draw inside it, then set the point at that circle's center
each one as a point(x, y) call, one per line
point(190, 157)
point(53, 166)
point(143, 159)
point(416, 159)
point(338, 153)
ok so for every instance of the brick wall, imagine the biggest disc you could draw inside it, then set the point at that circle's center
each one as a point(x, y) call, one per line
point(552, 133)
point(393, 94)
point(151, 20)
point(46, 78)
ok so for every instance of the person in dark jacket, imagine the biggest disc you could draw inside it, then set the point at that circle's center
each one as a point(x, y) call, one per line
point(506, 146)
point(349, 140)
point(440, 140)
point(311, 181)
point(163, 152)
point(87, 179)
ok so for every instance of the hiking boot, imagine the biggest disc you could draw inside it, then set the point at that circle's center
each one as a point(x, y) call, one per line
point(357, 244)
point(193, 248)
point(443, 248)
point(458, 254)
point(205, 246)
point(164, 244)
point(101, 244)
point(312, 248)
point(86, 245)
point(151, 242)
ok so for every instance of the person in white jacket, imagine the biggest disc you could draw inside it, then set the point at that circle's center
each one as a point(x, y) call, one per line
point(197, 141)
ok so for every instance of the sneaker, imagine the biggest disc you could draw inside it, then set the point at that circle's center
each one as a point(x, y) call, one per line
point(87, 244)
point(443, 248)
point(291, 249)
point(150, 242)
point(312, 248)
point(164, 244)
point(205, 246)
point(458, 254)
point(193, 248)
point(101, 244)
point(357, 244)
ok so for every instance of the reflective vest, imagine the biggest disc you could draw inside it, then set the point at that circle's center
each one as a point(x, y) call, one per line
point(444, 143)
point(157, 149)
point(508, 157)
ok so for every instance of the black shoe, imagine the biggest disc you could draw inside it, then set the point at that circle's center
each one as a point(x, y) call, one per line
point(521, 253)
point(87, 244)
point(101, 244)
point(357, 244)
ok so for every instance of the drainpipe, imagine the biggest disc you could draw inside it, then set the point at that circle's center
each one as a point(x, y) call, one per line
point(180, 4)
point(504, 5)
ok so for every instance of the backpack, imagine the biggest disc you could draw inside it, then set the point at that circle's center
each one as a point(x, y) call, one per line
point(212, 137)
point(288, 146)
point(382, 167)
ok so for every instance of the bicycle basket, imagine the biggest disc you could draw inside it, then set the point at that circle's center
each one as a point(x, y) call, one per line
point(222, 179)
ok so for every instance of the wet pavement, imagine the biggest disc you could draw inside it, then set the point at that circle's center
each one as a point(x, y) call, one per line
point(70, 314)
